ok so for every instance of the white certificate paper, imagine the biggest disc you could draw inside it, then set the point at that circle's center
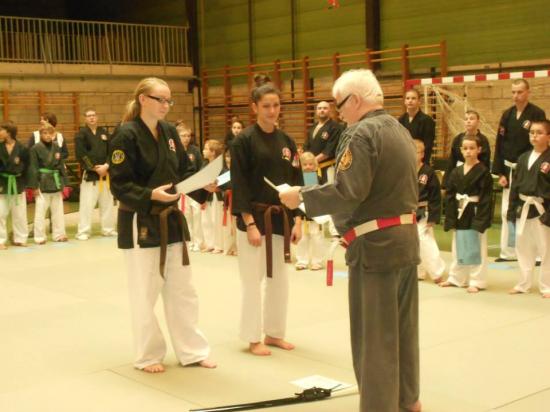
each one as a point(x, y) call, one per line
point(223, 179)
point(202, 178)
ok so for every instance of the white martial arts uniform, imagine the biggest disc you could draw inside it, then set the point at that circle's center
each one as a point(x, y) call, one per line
point(17, 206)
point(469, 275)
point(92, 193)
point(431, 261)
point(312, 248)
point(54, 202)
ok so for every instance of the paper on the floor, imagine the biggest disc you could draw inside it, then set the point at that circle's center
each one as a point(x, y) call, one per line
point(202, 178)
point(318, 381)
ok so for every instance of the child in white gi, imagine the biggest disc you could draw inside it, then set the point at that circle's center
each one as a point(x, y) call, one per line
point(311, 249)
point(212, 212)
point(14, 160)
point(190, 208)
point(528, 208)
point(229, 223)
point(428, 214)
point(468, 212)
point(46, 178)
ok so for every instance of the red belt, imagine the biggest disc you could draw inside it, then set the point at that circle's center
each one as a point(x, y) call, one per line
point(377, 224)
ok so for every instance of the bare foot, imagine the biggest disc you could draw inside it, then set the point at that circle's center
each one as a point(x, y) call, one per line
point(472, 289)
point(3, 247)
point(207, 363)
point(259, 349)
point(155, 368)
point(438, 280)
point(514, 291)
point(546, 295)
point(280, 343)
point(447, 284)
point(416, 407)
point(62, 239)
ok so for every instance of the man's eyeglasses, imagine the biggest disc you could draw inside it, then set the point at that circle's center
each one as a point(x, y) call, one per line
point(161, 100)
point(343, 102)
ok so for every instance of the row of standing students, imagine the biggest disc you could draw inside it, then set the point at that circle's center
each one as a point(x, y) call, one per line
point(468, 195)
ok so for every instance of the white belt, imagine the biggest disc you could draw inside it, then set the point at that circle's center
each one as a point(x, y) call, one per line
point(459, 163)
point(463, 201)
point(509, 164)
point(529, 200)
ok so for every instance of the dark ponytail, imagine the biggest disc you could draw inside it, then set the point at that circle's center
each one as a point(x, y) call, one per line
point(263, 86)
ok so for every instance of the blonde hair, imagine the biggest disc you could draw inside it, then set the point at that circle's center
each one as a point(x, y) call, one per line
point(46, 127)
point(308, 157)
point(133, 107)
point(215, 145)
point(181, 126)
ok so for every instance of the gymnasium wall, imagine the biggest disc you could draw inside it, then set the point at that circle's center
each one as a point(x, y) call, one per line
point(476, 32)
point(224, 30)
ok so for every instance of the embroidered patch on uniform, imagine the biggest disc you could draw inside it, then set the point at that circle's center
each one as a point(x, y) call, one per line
point(104, 137)
point(501, 131)
point(296, 161)
point(172, 145)
point(324, 135)
point(526, 124)
point(143, 233)
point(191, 157)
point(286, 153)
point(423, 179)
point(118, 157)
point(58, 156)
point(345, 160)
point(545, 168)
point(17, 160)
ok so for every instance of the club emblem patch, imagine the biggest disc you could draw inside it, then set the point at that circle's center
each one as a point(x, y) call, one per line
point(191, 157)
point(58, 156)
point(104, 137)
point(501, 131)
point(17, 160)
point(545, 168)
point(423, 179)
point(526, 124)
point(324, 135)
point(345, 160)
point(117, 157)
point(172, 145)
point(286, 153)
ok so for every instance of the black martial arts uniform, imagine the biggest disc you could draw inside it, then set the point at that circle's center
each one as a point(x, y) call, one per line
point(421, 127)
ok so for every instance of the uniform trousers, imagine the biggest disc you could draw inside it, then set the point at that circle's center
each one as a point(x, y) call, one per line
point(192, 213)
point(458, 274)
point(180, 307)
point(431, 261)
point(92, 193)
point(212, 216)
point(506, 252)
point(534, 241)
point(383, 309)
point(312, 247)
point(54, 202)
point(229, 232)
point(264, 300)
point(17, 206)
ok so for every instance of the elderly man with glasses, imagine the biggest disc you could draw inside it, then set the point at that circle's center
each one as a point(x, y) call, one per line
point(372, 202)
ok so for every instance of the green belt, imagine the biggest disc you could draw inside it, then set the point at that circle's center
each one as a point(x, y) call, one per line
point(12, 185)
point(55, 174)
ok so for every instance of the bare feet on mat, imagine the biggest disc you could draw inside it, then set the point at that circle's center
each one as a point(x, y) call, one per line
point(207, 363)
point(447, 284)
point(155, 368)
point(546, 295)
point(3, 247)
point(280, 343)
point(259, 349)
point(514, 291)
point(438, 280)
point(473, 289)
point(416, 407)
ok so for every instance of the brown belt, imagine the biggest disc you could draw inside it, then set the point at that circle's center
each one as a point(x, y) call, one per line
point(268, 210)
point(163, 212)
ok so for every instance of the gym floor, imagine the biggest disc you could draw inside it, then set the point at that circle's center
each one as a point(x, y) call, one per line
point(67, 344)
